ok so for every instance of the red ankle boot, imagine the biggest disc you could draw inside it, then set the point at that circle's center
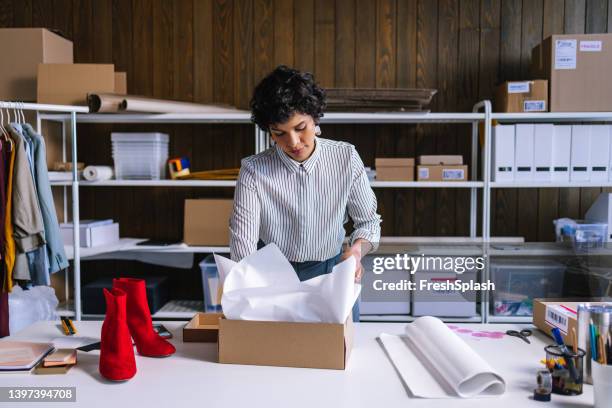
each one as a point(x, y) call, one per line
point(117, 362)
point(148, 342)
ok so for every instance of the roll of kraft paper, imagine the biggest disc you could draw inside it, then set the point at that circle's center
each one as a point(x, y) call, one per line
point(131, 103)
point(98, 173)
point(105, 103)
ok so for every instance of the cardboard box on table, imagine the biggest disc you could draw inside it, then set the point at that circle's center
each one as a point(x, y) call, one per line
point(207, 221)
point(561, 313)
point(69, 84)
point(522, 96)
point(24, 49)
point(282, 344)
point(394, 169)
point(442, 173)
point(577, 68)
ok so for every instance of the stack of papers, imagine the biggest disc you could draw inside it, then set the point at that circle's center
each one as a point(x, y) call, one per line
point(264, 286)
point(434, 362)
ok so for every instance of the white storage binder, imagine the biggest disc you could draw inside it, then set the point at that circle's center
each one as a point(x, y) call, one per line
point(543, 136)
point(523, 152)
point(581, 151)
point(503, 153)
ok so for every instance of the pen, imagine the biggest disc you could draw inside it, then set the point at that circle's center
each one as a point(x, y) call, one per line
point(570, 362)
point(593, 342)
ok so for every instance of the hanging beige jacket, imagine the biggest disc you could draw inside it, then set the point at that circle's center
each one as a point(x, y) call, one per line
point(28, 227)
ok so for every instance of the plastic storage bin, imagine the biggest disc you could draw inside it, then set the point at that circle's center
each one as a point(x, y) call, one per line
point(582, 234)
point(140, 156)
point(210, 284)
point(519, 281)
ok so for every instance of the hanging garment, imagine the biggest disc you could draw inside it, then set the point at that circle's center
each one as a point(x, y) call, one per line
point(38, 264)
point(27, 218)
point(5, 159)
point(55, 247)
point(9, 241)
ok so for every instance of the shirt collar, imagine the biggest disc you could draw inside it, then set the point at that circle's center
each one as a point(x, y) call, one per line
point(308, 164)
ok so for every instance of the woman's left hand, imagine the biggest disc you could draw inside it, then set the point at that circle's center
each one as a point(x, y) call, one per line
point(355, 251)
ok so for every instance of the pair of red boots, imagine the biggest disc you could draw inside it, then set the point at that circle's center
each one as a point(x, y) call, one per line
point(127, 317)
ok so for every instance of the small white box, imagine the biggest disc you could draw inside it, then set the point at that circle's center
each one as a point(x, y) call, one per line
point(561, 152)
point(503, 153)
point(600, 152)
point(374, 301)
point(523, 152)
point(543, 136)
point(92, 235)
point(446, 303)
point(581, 153)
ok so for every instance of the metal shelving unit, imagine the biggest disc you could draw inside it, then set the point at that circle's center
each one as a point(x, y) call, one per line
point(538, 249)
point(262, 142)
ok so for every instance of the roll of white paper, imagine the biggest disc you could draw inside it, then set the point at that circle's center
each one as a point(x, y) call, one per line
point(97, 173)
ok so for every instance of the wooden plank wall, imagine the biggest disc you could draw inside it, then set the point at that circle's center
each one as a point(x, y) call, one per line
point(217, 50)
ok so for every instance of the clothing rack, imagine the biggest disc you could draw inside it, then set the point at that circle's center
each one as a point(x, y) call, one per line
point(72, 110)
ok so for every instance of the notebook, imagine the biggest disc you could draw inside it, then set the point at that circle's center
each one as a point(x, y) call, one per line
point(22, 355)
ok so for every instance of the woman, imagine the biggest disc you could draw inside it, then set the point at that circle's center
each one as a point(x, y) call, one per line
point(299, 193)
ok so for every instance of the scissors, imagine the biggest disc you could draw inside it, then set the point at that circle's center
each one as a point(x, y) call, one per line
point(523, 334)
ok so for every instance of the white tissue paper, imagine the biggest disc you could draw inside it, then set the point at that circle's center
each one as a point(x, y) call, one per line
point(264, 286)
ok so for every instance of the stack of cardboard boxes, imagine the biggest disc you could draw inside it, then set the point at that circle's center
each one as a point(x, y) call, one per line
point(441, 168)
point(569, 73)
point(46, 72)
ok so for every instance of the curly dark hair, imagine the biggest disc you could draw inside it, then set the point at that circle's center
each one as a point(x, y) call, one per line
point(284, 92)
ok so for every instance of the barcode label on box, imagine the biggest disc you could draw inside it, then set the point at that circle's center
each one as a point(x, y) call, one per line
point(590, 46)
point(558, 316)
point(534, 106)
point(423, 173)
point(518, 87)
point(565, 54)
point(452, 174)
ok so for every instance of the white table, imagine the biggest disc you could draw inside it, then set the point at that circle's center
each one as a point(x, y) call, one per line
point(193, 378)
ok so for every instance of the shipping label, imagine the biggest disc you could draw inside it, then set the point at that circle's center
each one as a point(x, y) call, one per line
point(534, 106)
point(565, 54)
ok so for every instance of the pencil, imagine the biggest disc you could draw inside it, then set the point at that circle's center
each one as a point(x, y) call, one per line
point(574, 340)
point(602, 351)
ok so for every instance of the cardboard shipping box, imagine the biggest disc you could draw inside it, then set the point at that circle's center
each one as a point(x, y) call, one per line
point(441, 159)
point(394, 169)
point(442, 173)
point(285, 344)
point(577, 68)
point(24, 49)
point(121, 83)
point(207, 222)
point(69, 84)
point(522, 96)
point(561, 313)
point(203, 328)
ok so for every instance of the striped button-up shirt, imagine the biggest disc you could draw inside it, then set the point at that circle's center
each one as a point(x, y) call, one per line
point(302, 207)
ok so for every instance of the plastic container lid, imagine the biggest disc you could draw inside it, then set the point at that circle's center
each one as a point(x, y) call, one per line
point(140, 137)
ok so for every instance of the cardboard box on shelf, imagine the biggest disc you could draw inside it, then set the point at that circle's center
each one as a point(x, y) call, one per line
point(285, 344)
point(577, 68)
point(207, 222)
point(26, 48)
point(69, 84)
point(121, 83)
point(438, 159)
point(394, 169)
point(522, 96)
point(442, 173)
point(202, 328)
